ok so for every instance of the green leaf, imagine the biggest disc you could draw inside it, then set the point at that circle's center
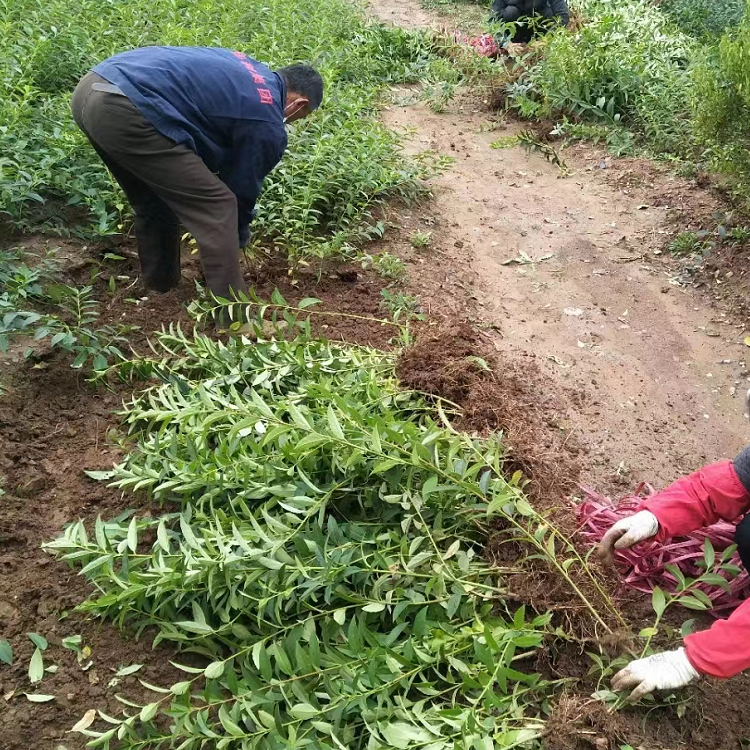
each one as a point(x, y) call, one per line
point(180, 688)
point(304, 711)
point(215, 669)
point(162, 537)
point(6, 652)
point(148, 712)
point(401, 735)
point(38, 640)
point(372, 607)
point(340, 616)
point(658, 601)
point(690, 602)
point(229, 724)
point(308, 302)
point(132, 669)
point(687, 627)
point(709, 554)
point(714, 579)
point(267, 719)
point(73, 643)
point(429, 486)
point(648, 632)
point(132, 535)
point(36, 666)
point(334, 424)
point(523, 507)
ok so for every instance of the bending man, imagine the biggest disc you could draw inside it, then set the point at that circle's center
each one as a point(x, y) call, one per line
point(190, 133)
point(718, 491)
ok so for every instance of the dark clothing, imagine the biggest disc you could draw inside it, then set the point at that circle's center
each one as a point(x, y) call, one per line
point(742, 533)
point(223, 105)
point(742, 540)
point(742, 467)
point(531, 16)
point(167, 183)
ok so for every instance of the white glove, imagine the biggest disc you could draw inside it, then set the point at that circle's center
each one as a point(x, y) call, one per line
point(629, 531)
point(658, 672)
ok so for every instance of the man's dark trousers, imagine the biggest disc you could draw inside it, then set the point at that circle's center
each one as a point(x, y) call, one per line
point(167, 184)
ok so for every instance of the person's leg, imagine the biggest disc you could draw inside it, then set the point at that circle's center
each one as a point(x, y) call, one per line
point(157, 229)
point(177, 176)
point(742, 540)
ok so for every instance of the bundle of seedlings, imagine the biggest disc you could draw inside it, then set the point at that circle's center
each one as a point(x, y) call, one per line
point(320, 556)
point(653, 564)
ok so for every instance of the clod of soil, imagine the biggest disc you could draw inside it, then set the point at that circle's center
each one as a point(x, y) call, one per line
point(495, 392)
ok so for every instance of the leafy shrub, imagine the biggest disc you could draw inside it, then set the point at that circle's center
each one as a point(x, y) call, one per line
point(625, 65)
point(340, 161)
point(722, 105)
point(705, 19)
point(321, 557)
point(34, 306)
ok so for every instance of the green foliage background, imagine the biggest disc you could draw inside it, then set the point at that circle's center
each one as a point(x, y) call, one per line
point(339, 161)
point(667, 78)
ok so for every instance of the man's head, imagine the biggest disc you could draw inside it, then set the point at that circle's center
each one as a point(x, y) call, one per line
point(304, 91)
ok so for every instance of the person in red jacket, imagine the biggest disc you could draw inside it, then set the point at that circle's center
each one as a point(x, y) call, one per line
point(717, 491)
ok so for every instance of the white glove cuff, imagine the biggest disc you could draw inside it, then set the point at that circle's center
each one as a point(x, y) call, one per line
point(683, 665)
point(650, 523)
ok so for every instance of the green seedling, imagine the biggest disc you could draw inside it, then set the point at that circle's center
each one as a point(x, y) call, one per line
point(420, 239)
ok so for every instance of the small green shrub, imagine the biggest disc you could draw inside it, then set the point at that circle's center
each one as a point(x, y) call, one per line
point(721, 105)
point(624, 66)
point(705, 19)
point(34, 307)
point(687, 243)
point(420, 239)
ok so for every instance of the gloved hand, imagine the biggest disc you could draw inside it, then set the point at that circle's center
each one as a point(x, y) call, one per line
point(627, 532)
point(658, 672)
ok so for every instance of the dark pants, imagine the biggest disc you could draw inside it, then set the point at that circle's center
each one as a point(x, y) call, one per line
point(167, 184)
point(742, 540)
point(526, 27)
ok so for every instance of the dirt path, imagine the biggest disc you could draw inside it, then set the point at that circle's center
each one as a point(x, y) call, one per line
point(656, 377)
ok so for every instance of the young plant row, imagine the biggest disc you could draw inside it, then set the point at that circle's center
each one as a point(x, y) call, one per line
point(319, 557)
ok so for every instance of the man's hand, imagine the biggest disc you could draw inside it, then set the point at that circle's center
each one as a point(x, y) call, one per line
point(627, 532)
point(665, 671)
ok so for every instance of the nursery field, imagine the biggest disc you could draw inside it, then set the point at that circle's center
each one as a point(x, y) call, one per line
point(482, 293)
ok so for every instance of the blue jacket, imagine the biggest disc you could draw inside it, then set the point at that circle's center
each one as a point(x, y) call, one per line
point(224, 105)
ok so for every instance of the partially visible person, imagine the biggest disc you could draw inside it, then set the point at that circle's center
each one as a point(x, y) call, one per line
point(717, 491)
point(531, 17)
point(190, 133)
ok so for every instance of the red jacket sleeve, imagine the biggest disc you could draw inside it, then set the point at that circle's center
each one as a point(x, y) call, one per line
point(724, 649)
point(698, 500)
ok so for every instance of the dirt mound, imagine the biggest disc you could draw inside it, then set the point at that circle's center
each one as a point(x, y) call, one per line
point(496, 392)
point(579, 724)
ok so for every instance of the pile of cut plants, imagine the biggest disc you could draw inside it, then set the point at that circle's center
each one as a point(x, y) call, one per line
point(319, 561)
